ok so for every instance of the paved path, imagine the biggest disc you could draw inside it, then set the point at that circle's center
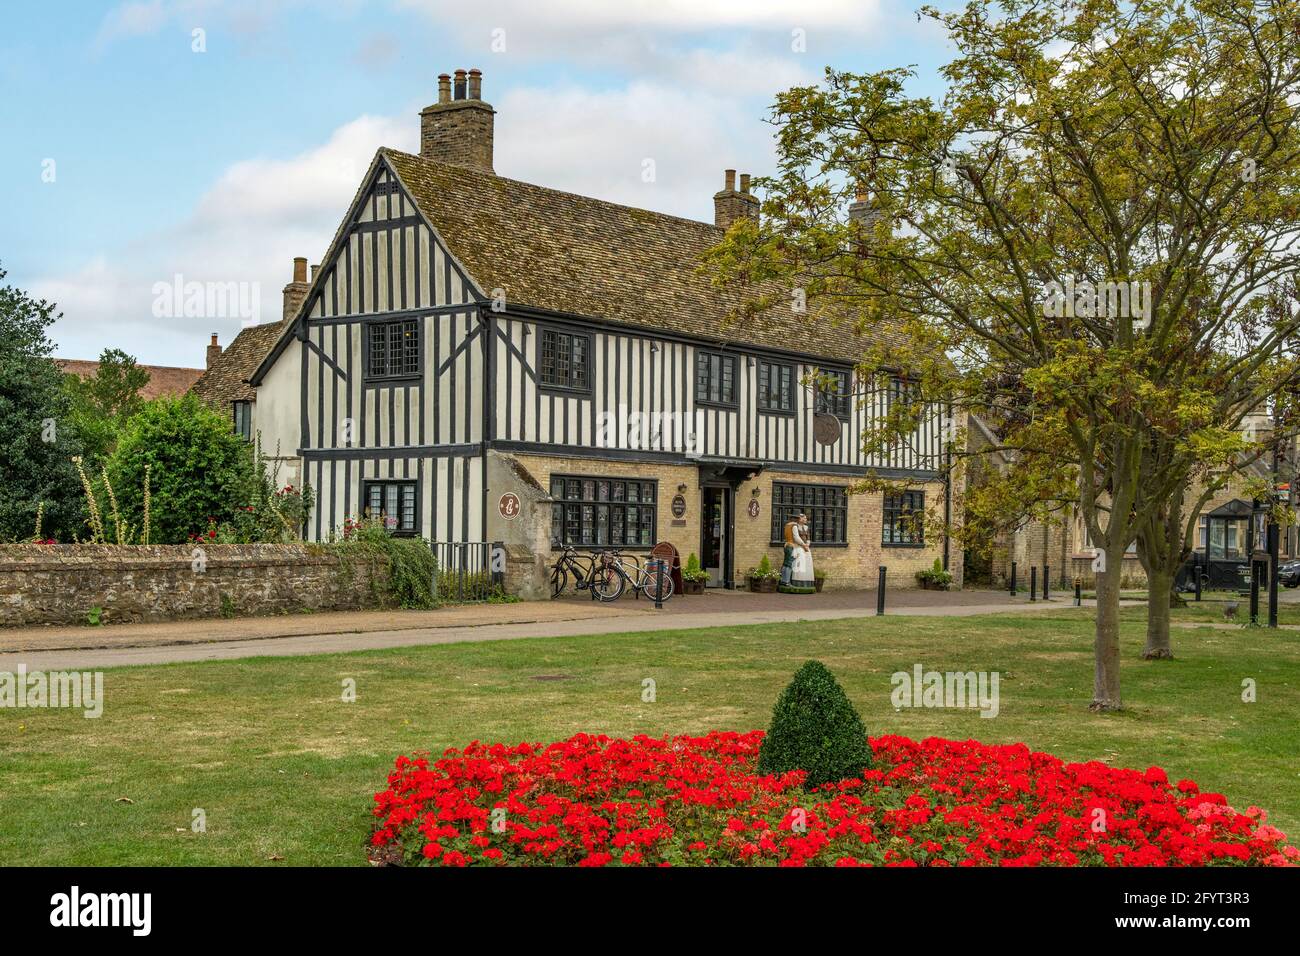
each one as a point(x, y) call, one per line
point(86, 649)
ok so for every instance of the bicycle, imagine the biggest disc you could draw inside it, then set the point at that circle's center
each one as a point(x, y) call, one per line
point(593, 573)
point(646, 580)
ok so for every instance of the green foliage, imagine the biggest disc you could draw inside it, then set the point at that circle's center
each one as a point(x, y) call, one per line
point(815, 728)
point(275, 513)
point(100, 405)
point(36, 443)
point(95, 617)
point(693, 571)
point(764, 571)
point(935, 574)
point(200, 470)
point(411, 564)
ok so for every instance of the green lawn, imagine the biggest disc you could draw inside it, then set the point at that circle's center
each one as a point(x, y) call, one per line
point(284, 769)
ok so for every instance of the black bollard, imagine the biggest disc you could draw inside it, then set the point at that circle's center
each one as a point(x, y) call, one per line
point(1078, 593)
point(1254, 592)
point(1200, 578)
point(1271, 537)
point(1047, 574)
point(1033, 585)
point(1013, 579)
point(880, 592)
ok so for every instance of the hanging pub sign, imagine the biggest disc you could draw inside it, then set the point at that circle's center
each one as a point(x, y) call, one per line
point(679, 506)
point(753, 507)
point(826, 428)
point(508, 505)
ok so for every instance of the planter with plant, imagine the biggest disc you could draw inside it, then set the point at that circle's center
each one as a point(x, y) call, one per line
point(694, 577)
point(819, 580)
point(934, 578)
point(763, 577)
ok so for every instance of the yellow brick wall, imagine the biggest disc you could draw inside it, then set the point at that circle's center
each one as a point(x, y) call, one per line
point(854, 566)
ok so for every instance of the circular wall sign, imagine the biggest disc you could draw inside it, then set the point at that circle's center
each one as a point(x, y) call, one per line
point(679, 506)
point(509, 505)
point(826, 428)
point(753, 507)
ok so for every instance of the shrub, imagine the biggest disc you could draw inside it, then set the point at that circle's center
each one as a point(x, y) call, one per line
point(935, 575)
point(199, 469)
point(411, 564)
point(764, 571)
point(693, 571)
point(815, 729)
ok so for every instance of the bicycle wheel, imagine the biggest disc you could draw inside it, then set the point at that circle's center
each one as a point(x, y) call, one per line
point(607, 583)
point(658, 588)
point(559, 581)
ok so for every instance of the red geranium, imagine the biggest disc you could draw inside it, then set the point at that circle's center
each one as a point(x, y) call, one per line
point(601, 801)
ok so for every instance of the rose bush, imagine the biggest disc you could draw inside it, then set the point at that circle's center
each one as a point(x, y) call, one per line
point(596, 801)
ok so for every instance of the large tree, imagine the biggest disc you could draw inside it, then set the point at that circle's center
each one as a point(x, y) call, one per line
point(1079, 237)
point(101, 403)
point(36, 441)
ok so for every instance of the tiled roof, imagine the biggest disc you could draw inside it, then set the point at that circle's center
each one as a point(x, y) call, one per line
point(163, 379)
point(225, 381)
point(561, 252)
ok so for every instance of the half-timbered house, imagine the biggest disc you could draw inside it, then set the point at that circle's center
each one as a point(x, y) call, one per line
point(483, 359)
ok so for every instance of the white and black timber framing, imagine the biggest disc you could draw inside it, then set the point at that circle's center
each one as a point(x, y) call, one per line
point(478, 386)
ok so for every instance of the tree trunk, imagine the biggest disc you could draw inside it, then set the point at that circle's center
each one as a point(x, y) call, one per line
point(1160, 589)
point(1105, 685)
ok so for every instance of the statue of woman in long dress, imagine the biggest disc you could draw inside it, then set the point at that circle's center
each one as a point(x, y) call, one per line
point(802, 574)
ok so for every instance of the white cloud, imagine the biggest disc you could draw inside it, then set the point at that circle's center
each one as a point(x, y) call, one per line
point(596, 144)
point(246, 228)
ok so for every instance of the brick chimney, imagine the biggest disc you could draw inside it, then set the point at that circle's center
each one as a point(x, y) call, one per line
point(296, 291)
point(214, 351)
point(458, 128)
point(731, 203)
point(863, 216)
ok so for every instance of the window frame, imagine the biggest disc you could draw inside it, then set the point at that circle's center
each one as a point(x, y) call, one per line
point(399, 483)
point(245, 433)
point(901, 512)
point(587, 364)
point(734, 402)
point(772, 365)
point(783, 510)
point(824, 401)
point(367, 356)
point(560, 510)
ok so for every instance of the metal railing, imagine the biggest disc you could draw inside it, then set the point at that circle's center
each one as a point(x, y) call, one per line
point(468, 571)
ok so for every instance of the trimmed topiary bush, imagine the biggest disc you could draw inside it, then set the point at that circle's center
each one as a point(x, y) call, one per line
point(815, 728)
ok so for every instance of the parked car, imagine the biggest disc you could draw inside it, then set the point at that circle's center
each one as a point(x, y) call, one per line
point(1288, 573)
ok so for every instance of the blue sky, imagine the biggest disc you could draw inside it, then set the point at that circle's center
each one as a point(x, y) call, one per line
point(130, 157)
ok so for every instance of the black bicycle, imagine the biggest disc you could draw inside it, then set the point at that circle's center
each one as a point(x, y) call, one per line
point(595, 573)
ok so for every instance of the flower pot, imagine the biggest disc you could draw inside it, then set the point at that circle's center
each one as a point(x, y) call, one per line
point(692, 587)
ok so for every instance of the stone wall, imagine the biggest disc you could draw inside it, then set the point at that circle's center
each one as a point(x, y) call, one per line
point(62, 583)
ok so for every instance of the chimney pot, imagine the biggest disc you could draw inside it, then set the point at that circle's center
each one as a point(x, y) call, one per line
point(315, 269)
point(458, 129)
point(214, 351)
point(299, 269)
point(730, 205)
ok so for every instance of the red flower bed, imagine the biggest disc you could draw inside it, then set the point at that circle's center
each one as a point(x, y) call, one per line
point(593, 801)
